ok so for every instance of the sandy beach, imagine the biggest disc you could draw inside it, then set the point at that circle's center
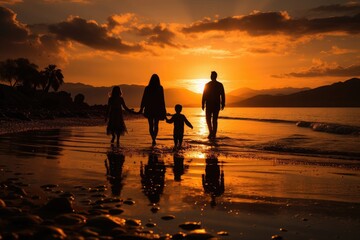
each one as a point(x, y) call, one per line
point(248, 184)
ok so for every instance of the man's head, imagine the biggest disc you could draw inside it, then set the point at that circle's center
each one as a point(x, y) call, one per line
point(178, 108)
point(213, 75)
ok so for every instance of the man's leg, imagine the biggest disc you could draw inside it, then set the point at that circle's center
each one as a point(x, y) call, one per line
point(208, 121)
point(215, 116)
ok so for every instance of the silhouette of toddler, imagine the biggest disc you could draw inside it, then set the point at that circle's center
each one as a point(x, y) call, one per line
point(178, 119)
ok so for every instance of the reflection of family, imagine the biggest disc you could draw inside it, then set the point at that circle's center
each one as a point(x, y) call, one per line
point(153, 108)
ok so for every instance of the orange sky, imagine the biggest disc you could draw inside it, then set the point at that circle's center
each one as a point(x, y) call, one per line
point(258, 44)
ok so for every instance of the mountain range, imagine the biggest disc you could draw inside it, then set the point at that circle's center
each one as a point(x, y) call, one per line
point(341, 94)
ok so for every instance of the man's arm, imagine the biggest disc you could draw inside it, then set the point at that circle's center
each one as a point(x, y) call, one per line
point(222, 97)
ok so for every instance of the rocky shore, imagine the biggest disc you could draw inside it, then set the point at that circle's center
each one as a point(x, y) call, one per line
point(49, 212)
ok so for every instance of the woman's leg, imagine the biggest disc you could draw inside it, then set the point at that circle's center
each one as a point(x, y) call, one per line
point(156, 127)
point(118, 138)
point(151, 128)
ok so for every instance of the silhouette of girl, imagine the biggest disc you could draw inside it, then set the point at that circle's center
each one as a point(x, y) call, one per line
point(153, 105)
point(116, 125)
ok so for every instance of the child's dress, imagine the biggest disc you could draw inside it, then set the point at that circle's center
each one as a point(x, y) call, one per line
point(116, 122)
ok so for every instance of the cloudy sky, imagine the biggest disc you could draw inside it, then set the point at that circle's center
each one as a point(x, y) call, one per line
point(250, 43)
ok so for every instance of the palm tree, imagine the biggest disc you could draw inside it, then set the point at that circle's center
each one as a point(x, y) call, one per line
point(52, 77)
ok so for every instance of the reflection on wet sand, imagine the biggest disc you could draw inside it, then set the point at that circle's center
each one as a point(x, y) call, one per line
point(35, 143)
point(179, 168)
point(114, 169)
point(153, 178)
point(213, 179)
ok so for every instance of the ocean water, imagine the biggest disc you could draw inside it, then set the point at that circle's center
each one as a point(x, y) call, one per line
point(262, 173)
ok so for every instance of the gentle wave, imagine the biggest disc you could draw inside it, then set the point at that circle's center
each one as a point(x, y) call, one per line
point(310, 151)
point(330, 127)
point(316, 126)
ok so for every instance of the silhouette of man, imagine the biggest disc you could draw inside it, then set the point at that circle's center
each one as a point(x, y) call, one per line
point(213, 99)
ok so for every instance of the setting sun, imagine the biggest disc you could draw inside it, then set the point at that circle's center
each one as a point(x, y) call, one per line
point(199, 84)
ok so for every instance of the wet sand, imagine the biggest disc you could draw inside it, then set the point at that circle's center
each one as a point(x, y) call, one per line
point(265, 194)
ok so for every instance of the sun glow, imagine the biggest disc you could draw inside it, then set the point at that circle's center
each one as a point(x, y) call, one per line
point(197, 85)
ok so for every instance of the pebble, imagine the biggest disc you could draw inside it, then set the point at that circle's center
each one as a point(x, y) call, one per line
point(129, 202)
point(283, 230)
point(190, 225)
point(223, 233)
point(106, 222)
point(115, 211)
point(199, 234)
point(151, 225)
point(133, 222)
point(178, 236)
point(58, 206)
point(87, 232)
point(10, 211)
point(26, 220)
point(98, 211)
point(276, 237)
point(168, 217)
point(155, 209)
point(49, 232)
point(70, 219)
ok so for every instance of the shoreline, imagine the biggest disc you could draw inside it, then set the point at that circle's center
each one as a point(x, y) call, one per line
point(10, 126)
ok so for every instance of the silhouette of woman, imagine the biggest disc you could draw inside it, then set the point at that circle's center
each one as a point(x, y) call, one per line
point(153, 105)
point(116, 125)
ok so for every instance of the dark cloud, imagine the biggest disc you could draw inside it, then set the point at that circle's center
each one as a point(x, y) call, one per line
point(318, 71)
point(17, 40)
point(266, 23)
point(335, 8)
point(11, 30)
point(158, 34)
point(91, 34)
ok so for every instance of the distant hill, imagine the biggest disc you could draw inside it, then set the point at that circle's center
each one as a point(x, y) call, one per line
point(99, 95)
point(340, 94)
point(132, 94)
point(240, 94)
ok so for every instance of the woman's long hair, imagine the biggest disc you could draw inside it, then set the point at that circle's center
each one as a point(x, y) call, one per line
point(154, 81)
point(116, 92)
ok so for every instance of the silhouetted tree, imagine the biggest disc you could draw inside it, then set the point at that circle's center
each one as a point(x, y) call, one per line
point(79, 99)
point(8, 72)
point(52, 77)
point(27, 74)
point(20, 72)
